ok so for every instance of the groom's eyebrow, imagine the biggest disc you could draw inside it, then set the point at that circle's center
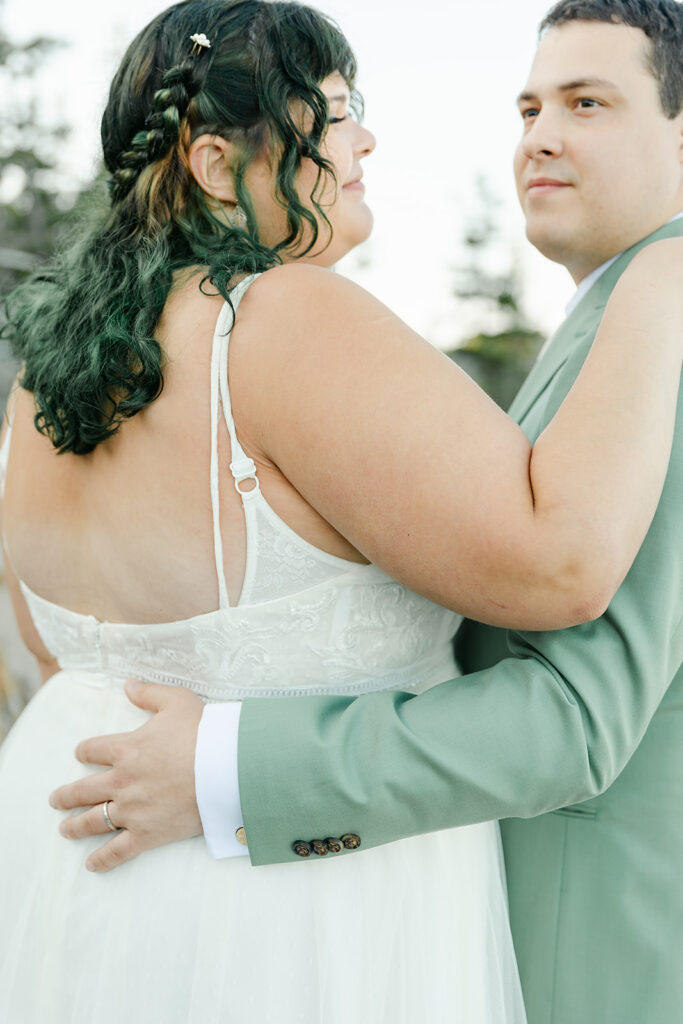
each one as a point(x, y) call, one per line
point(576, 83)
point(587, 83)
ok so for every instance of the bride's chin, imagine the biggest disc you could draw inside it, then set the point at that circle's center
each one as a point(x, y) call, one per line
point(366, 222)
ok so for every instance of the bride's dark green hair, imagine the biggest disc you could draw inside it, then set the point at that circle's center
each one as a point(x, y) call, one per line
point(83, 325)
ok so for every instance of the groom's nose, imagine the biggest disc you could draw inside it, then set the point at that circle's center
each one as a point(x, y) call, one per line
point(543, 137)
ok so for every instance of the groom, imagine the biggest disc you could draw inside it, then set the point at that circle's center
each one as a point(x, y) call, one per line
point(574, 736)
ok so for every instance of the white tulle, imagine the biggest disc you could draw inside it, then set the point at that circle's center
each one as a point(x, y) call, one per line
point(411, 932)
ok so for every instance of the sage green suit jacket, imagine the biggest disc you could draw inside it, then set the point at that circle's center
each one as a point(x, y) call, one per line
point(574, 735)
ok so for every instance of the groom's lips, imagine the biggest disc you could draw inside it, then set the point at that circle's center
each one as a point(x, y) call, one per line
point(545, 186)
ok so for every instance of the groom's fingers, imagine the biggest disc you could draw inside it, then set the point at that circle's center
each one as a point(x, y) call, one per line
point(93, 789)
point(89, 823)
point(104, 750)
point(118, 850)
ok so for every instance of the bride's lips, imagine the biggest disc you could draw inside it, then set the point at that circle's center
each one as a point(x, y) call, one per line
point(546, 186)
point(354, 186)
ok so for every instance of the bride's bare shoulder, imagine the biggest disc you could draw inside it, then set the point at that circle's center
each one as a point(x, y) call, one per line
point(306, 292)
point(298, 306)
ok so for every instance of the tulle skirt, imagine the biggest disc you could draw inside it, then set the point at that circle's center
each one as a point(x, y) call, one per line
point(414, 931)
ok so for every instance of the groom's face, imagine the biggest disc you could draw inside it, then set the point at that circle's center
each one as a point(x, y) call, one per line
point(599, 165)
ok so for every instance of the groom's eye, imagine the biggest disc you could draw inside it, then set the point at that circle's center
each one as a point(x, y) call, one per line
point(528, 113)
point(588, 103)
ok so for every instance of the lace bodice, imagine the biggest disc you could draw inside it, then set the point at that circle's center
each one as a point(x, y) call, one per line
point(307, 622)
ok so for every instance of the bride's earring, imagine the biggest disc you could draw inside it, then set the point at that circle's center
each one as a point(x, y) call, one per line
point(239, 217)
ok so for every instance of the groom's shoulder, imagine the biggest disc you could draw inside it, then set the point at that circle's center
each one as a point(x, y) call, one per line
point(672, 229)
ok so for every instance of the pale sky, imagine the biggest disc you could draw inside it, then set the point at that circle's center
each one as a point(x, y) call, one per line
point(439, 82)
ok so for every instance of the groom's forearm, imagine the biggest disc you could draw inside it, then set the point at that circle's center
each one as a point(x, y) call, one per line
point(388, 765)
point(512, 741)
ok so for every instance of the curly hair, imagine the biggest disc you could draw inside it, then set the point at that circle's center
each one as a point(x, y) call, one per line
point(83, 325)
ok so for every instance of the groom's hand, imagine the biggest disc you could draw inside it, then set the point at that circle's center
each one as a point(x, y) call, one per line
point(150, 782)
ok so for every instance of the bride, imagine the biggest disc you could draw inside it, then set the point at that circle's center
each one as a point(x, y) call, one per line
point(164, 516)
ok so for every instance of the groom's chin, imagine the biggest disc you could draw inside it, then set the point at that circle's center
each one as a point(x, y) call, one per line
point(549, 244)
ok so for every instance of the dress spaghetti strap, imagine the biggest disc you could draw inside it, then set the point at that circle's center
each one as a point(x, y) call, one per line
point(241, 466)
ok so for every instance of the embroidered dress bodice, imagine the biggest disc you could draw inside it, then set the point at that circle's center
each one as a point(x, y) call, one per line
point(306, 622)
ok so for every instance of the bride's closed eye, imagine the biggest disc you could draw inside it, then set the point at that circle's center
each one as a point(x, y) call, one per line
point(341, 113)
point(339, 109)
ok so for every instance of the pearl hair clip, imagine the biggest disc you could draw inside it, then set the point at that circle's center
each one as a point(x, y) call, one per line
point(200, 42)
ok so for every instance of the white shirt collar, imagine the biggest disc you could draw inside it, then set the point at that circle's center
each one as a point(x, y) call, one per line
point(588, 282)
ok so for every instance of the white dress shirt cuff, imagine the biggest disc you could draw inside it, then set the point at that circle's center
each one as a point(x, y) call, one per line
point(217, 780)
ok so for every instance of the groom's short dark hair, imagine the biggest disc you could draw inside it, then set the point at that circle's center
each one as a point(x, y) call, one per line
point(660, 20)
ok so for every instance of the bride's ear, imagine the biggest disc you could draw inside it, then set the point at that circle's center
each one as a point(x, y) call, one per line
point(210, 159)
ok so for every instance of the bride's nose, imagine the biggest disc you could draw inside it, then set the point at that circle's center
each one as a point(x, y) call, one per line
point(365, 142)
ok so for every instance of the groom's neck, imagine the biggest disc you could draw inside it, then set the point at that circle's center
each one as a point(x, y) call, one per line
point(581, 266)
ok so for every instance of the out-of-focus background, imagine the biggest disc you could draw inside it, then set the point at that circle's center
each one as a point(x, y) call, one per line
point(448, 252)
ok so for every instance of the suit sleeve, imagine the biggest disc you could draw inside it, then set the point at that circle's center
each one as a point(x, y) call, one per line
point(552, 724)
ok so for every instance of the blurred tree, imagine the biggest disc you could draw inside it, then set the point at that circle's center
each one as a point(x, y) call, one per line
point(32, 203)
point(498, 360)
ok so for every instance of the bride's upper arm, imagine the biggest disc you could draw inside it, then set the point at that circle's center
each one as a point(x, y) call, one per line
point(29, 634)
point(395, 446)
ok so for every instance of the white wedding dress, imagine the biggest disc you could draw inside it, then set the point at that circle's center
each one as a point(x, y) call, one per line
point(411, 932)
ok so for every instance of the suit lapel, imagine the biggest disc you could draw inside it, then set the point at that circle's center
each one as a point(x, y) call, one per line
point(580, 325)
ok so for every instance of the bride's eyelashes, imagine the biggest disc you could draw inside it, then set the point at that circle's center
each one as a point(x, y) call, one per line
point(339, 109)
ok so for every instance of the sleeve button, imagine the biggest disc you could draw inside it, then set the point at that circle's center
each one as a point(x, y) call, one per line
point(334, 845)
point(301, 848)
point(240, 835)
point(319, 847)
point(351, 841)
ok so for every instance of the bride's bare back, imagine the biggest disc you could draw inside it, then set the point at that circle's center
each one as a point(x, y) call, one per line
point(125, 532)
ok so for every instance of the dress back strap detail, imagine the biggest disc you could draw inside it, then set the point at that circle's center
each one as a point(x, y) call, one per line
point(241, 466)
point(245, 469)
